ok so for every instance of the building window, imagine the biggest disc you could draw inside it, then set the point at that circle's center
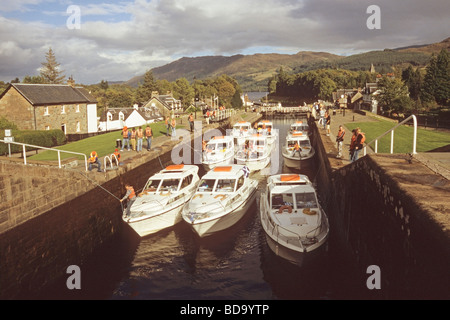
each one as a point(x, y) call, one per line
point(46, 111)
point(78, 126)
point(110, 117)
point(121, 116)
point(47, 127)
point(63, 109)
point(77, 109)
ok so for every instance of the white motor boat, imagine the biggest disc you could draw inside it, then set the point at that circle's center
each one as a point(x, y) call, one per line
point(224, 195)
point(301, 126)
point(255, 153)
point(292, 218)
point(265, 127)
point(297, 150)
point(218, 151)
point(240, 131)
point(160, 203)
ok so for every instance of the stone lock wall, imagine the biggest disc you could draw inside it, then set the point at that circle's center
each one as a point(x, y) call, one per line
point(387, 212)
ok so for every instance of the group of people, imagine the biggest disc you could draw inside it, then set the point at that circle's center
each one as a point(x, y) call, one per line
point(136, 138)
point(171, 125)
point(357, 139)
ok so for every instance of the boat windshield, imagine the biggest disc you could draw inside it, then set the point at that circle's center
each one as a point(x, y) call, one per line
point(306, 200)
point(206, 185)
point(225, 185)
point(169, 185)
point(302, 143)
point(152, 185)
point(282, 199)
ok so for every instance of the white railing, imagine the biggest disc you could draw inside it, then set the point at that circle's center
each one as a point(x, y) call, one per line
point(24, 145)
point(392, 136)
point(109, 159)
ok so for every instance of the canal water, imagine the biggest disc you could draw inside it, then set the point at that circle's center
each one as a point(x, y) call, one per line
point(236, 264)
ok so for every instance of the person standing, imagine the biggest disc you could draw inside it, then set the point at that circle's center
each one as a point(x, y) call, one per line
point(173, 124)
point(131, 196)
point(352, 145)
point(148, 136)
point(125, 139)
point(140, 138)
point(191, 122)
point(133, 139)
point(167, 125)
point(359, 143)
point(322, 116)
point(328, 122)
point(340, 141)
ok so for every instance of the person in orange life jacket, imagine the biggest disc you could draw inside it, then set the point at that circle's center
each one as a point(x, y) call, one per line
point(93, 158)
point(191, 122)
point(131, 196)
point(126, 138)
point(359, 143)
point(297, 149)
point(148, 136)
point(340, 141)
point(117, 154)
point(133, 139)
point(140, 138)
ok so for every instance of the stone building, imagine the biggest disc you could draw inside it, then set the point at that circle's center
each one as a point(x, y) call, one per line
point(166, 104)
point(49, 106)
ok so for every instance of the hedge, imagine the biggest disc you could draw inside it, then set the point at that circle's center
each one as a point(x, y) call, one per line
point(43, 138)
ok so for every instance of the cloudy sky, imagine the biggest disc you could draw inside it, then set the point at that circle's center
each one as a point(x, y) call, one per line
point(96, 40)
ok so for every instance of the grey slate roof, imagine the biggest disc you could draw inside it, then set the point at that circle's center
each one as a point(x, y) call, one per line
point(48, 94)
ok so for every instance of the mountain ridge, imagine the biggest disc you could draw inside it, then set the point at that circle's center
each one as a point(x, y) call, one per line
point(253, 71)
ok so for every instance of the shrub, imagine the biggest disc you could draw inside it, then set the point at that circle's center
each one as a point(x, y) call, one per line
point(43, 138)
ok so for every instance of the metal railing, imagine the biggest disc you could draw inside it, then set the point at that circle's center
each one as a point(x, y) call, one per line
point(24, 145)
point(413, 117)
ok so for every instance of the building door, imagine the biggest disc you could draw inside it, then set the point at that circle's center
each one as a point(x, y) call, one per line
point(63, 128)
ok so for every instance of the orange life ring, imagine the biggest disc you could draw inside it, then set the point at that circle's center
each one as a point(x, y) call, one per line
point(289, 209)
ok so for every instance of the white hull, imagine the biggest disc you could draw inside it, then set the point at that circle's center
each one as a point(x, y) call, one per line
point(208, 165)
point(147, 225)
point(296, 162)
point(255, 165)
point(210, 227)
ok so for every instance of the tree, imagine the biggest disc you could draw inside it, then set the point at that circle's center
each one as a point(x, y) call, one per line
point(442, 77)
point(393, 95)
point(50, 69)
point(145, 89)
point(184, 92)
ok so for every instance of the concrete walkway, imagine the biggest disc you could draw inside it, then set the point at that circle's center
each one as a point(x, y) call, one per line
point(345, 120)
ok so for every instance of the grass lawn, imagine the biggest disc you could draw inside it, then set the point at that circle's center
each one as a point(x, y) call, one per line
point(104, 144)
point(403, 137)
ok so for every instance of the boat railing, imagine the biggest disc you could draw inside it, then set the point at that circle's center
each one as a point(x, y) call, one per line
point(275, 228)
point(391, 131)
point(24, 145)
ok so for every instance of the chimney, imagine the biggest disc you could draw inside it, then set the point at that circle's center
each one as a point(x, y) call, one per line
point(71, 82)
point(155, 94)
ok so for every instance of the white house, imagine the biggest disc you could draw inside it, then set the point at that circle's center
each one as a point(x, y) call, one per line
point(117, 118)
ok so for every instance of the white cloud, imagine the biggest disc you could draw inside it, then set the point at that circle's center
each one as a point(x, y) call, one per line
point(119, 40)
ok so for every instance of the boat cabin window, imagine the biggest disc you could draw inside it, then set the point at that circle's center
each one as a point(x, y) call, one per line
point(169, 185)
point(305, 200)
point(240, 183)
point(221, 146)
point(152, 185)
point(281, 199)
point(225, 185)
point(210, 147)
point(206, 185)
point(186, 181)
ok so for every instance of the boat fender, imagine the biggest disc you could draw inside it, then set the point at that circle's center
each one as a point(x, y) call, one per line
point(222, 197)
point(285, 207)
point(197, 196)
point(310, 212)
